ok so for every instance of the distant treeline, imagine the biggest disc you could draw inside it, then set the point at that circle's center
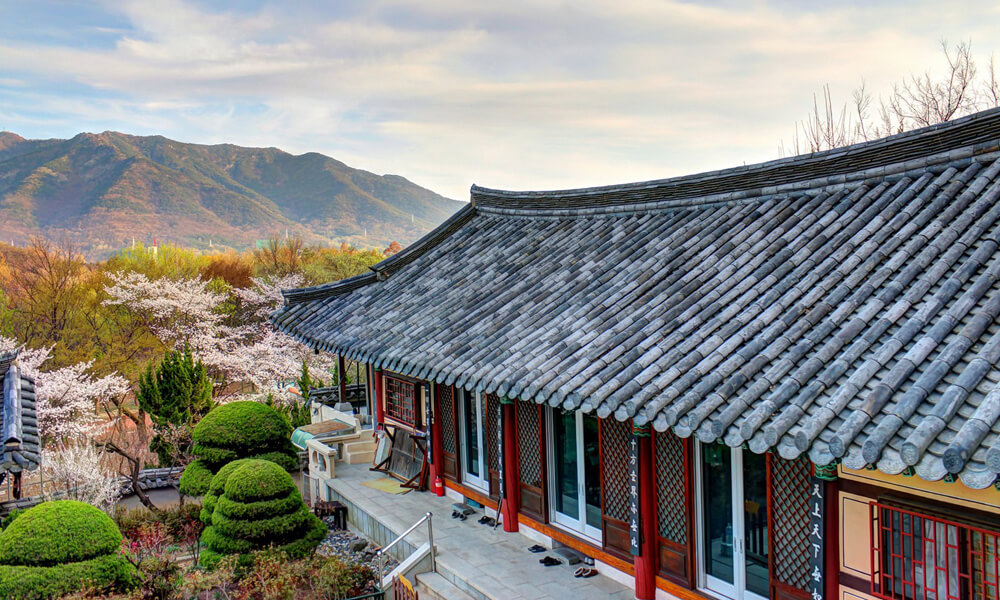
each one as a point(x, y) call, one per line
point(50, 297)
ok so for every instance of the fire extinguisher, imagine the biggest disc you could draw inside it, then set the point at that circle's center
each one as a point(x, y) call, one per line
point(438, 486)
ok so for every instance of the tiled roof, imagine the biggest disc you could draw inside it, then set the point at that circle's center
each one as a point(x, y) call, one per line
point(842, 304)
point(18, 426)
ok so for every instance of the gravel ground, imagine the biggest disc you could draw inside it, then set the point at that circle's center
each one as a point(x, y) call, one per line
point(352, 547)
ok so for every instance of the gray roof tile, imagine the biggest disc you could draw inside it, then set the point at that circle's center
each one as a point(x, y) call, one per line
point(838, 304)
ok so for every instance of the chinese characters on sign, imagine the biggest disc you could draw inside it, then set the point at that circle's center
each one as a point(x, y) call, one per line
point(500, 456)
point(633, 496)
point(817, 506)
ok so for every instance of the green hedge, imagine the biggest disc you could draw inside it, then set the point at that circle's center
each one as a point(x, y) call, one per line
point(287, 459)
point(222, 544)
point(244, 427)
point(195, 479)
point(58, 532)
point(259, 507)
point(258, 510)
point(60, 547)
point(234, 431)
point(280, 527)
point(210, 455)
point(261, 480)
point(217, 545)
point(104, 573)
point(216, 488)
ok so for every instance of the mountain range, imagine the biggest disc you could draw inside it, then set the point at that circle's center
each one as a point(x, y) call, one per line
point(100, 191)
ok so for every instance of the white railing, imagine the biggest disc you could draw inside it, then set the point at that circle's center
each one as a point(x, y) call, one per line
point(380, 555)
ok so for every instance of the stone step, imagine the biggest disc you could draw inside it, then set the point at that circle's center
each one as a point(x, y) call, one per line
point(364, 445)
point(436, 587)
point(357, 458)
point(359, 451)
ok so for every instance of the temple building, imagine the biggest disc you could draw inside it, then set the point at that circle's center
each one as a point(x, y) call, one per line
point(771, 381)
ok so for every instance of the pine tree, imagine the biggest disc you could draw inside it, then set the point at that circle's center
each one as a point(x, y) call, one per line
point(176, 394)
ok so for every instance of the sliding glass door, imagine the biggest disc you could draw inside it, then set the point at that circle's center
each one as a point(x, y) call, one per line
point(732, 522)
point(575, 476)
point(472, 431)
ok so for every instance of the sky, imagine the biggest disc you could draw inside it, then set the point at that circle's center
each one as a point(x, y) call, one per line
point(512, 94)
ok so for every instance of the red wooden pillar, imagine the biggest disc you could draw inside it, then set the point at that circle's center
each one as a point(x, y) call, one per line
point(379, 416)
point(437, 445)
point(511, 472)
point(646, 561)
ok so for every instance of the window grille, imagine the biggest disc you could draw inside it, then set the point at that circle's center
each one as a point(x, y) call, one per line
point(671, 488)
point(529, 424)
point(615, 437)
point(917, 556)
point(493, 432)
point(401, 400)
point(446, 403)
point(791, 482)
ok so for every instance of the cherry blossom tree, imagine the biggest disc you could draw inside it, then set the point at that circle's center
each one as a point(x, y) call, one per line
point(66, 398)
point(78, 472)
point(228, 331)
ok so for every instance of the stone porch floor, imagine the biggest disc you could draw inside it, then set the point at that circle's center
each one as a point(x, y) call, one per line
point(494, 564)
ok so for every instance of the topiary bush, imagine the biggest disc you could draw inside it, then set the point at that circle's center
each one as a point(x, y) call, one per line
point(59, 547)
point(216, 489)
point(259, 507)
point(233, 431)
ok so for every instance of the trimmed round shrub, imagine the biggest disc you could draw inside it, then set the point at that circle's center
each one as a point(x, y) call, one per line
point(233, 431)
point(104, 573)
point(61, 546)
point(195, 479)
point(259, 507)
point(216, 488)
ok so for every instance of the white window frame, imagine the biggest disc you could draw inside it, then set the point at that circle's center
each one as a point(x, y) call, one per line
point(707, 583)
point(479, 482)
point(578, 526)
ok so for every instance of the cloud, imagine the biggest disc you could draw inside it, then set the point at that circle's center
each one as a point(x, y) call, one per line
point(519, 94)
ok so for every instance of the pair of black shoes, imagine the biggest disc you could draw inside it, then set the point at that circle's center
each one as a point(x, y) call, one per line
point(461, 516)
point(548, 561)
point(488, 521)
point(536, 549)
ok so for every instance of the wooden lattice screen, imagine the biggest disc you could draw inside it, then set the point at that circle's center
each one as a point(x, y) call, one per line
point(447, 411)
point(673, 507)
point(790, 482)
point(401, 401)
point(531, 463)
point(615, 436)
point(493, 443)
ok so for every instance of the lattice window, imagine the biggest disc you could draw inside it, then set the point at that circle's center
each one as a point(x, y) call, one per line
point(790, 487)
point(917, 555)
point(671, 488)
point(449, 432)
point(615, 436)
point(529, 423)
point(401, 401)
point(493, 432)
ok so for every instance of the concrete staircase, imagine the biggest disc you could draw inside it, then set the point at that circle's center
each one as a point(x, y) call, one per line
point(436, 587)
point(359, 451)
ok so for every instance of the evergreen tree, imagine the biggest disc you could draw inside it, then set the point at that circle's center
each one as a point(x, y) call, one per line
point(176, 394)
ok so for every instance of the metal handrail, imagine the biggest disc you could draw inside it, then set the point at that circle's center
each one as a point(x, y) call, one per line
point(380, 554)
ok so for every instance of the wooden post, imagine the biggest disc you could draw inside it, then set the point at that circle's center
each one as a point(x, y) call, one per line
point(437, 445)
point(342, 377)
point(511, 473)
point(645, 560)
point(828, 475)
point(377, 398)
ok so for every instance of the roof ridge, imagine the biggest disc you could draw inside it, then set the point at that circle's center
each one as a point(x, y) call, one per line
point(962, 138)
